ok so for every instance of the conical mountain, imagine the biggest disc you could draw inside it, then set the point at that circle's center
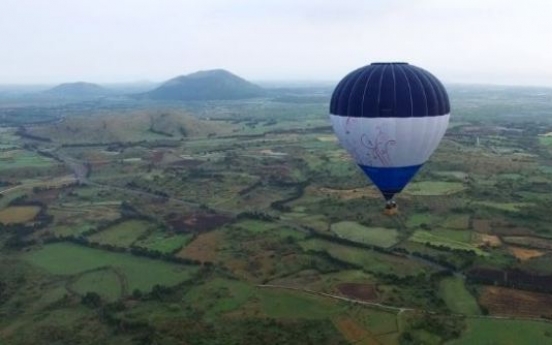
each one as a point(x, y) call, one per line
point(215, 84)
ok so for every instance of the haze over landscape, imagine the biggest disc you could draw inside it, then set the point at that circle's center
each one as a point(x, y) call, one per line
point(101, 41)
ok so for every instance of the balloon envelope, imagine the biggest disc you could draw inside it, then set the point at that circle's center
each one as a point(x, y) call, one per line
point(390, 117)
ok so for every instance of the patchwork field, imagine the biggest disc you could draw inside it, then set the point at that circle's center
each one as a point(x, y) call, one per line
point(260, 192)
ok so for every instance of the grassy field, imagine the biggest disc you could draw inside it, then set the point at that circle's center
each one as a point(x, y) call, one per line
point(18, 214)
point(369, 260)
point(70, 259)
point(219, 296)
point(377, 322)
point(18, 159)
point(457, 298)
point(504, 206)
point(163, 242)
point(457, 221)
point(427, 188)
point(418, 219)
point(437, 239)
point(123, 234)
point(106, 283)
point(381, 237)
point(290, 305)
point(505, 332)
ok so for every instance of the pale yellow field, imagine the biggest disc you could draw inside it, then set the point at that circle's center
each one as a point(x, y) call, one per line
point(18, 214)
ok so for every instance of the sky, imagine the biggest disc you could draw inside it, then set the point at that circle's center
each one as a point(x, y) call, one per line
point(459, 41)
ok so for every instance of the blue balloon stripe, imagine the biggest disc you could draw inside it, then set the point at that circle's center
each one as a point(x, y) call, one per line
point(390, 180)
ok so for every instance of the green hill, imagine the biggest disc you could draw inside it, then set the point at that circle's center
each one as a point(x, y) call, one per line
point(215, 84)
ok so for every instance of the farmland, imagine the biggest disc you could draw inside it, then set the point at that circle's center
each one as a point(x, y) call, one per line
point(68, 259)
point(381, 237)
point(245, 220)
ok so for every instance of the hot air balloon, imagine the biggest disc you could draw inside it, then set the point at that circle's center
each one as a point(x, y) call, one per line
point(390, 117)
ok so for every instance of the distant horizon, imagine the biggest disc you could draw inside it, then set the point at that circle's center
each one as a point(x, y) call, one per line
point(277, 83)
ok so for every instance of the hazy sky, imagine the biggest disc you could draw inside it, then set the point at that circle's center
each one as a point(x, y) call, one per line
point(483, 41)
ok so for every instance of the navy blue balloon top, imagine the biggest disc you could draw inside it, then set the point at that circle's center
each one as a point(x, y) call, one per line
point(394, 89)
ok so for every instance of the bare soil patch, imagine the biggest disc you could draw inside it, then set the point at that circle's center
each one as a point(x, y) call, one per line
point(532, 242)
point(352, 331)
point(484, 240)
point(524, 253)
point(364, 292)
point(482, 225)
point(197, 222)
point(511, 302)
point(203, 248)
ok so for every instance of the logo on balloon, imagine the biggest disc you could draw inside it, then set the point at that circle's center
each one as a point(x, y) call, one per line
point(378, 149)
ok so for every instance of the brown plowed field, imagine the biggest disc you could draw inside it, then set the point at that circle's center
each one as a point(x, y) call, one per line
point(197, 222)
point(533, 242)
point(482, 225)
point(524, 253)
point(364, 292)
point(486, 240)
point(511, 302)
point(203, 248)
point(353, 332)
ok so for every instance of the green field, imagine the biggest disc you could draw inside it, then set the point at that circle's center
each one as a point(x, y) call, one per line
point(123, 234)
point(141, 273)
point(377, 321)
point(418, 219)
point(545, 140)
point(163, 242)
point(503, 206)
point(219, 296)
point(441, 238)
point(457, 221)
point(287, 304)
point(353, 231)
point(458, 175)
point(505, 332)
point(104, 282)
point(457, 298)
point(428, 188)
point(369, 260)
point(18, 159)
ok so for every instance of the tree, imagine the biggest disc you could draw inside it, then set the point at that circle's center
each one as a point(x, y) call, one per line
point(91, 299)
